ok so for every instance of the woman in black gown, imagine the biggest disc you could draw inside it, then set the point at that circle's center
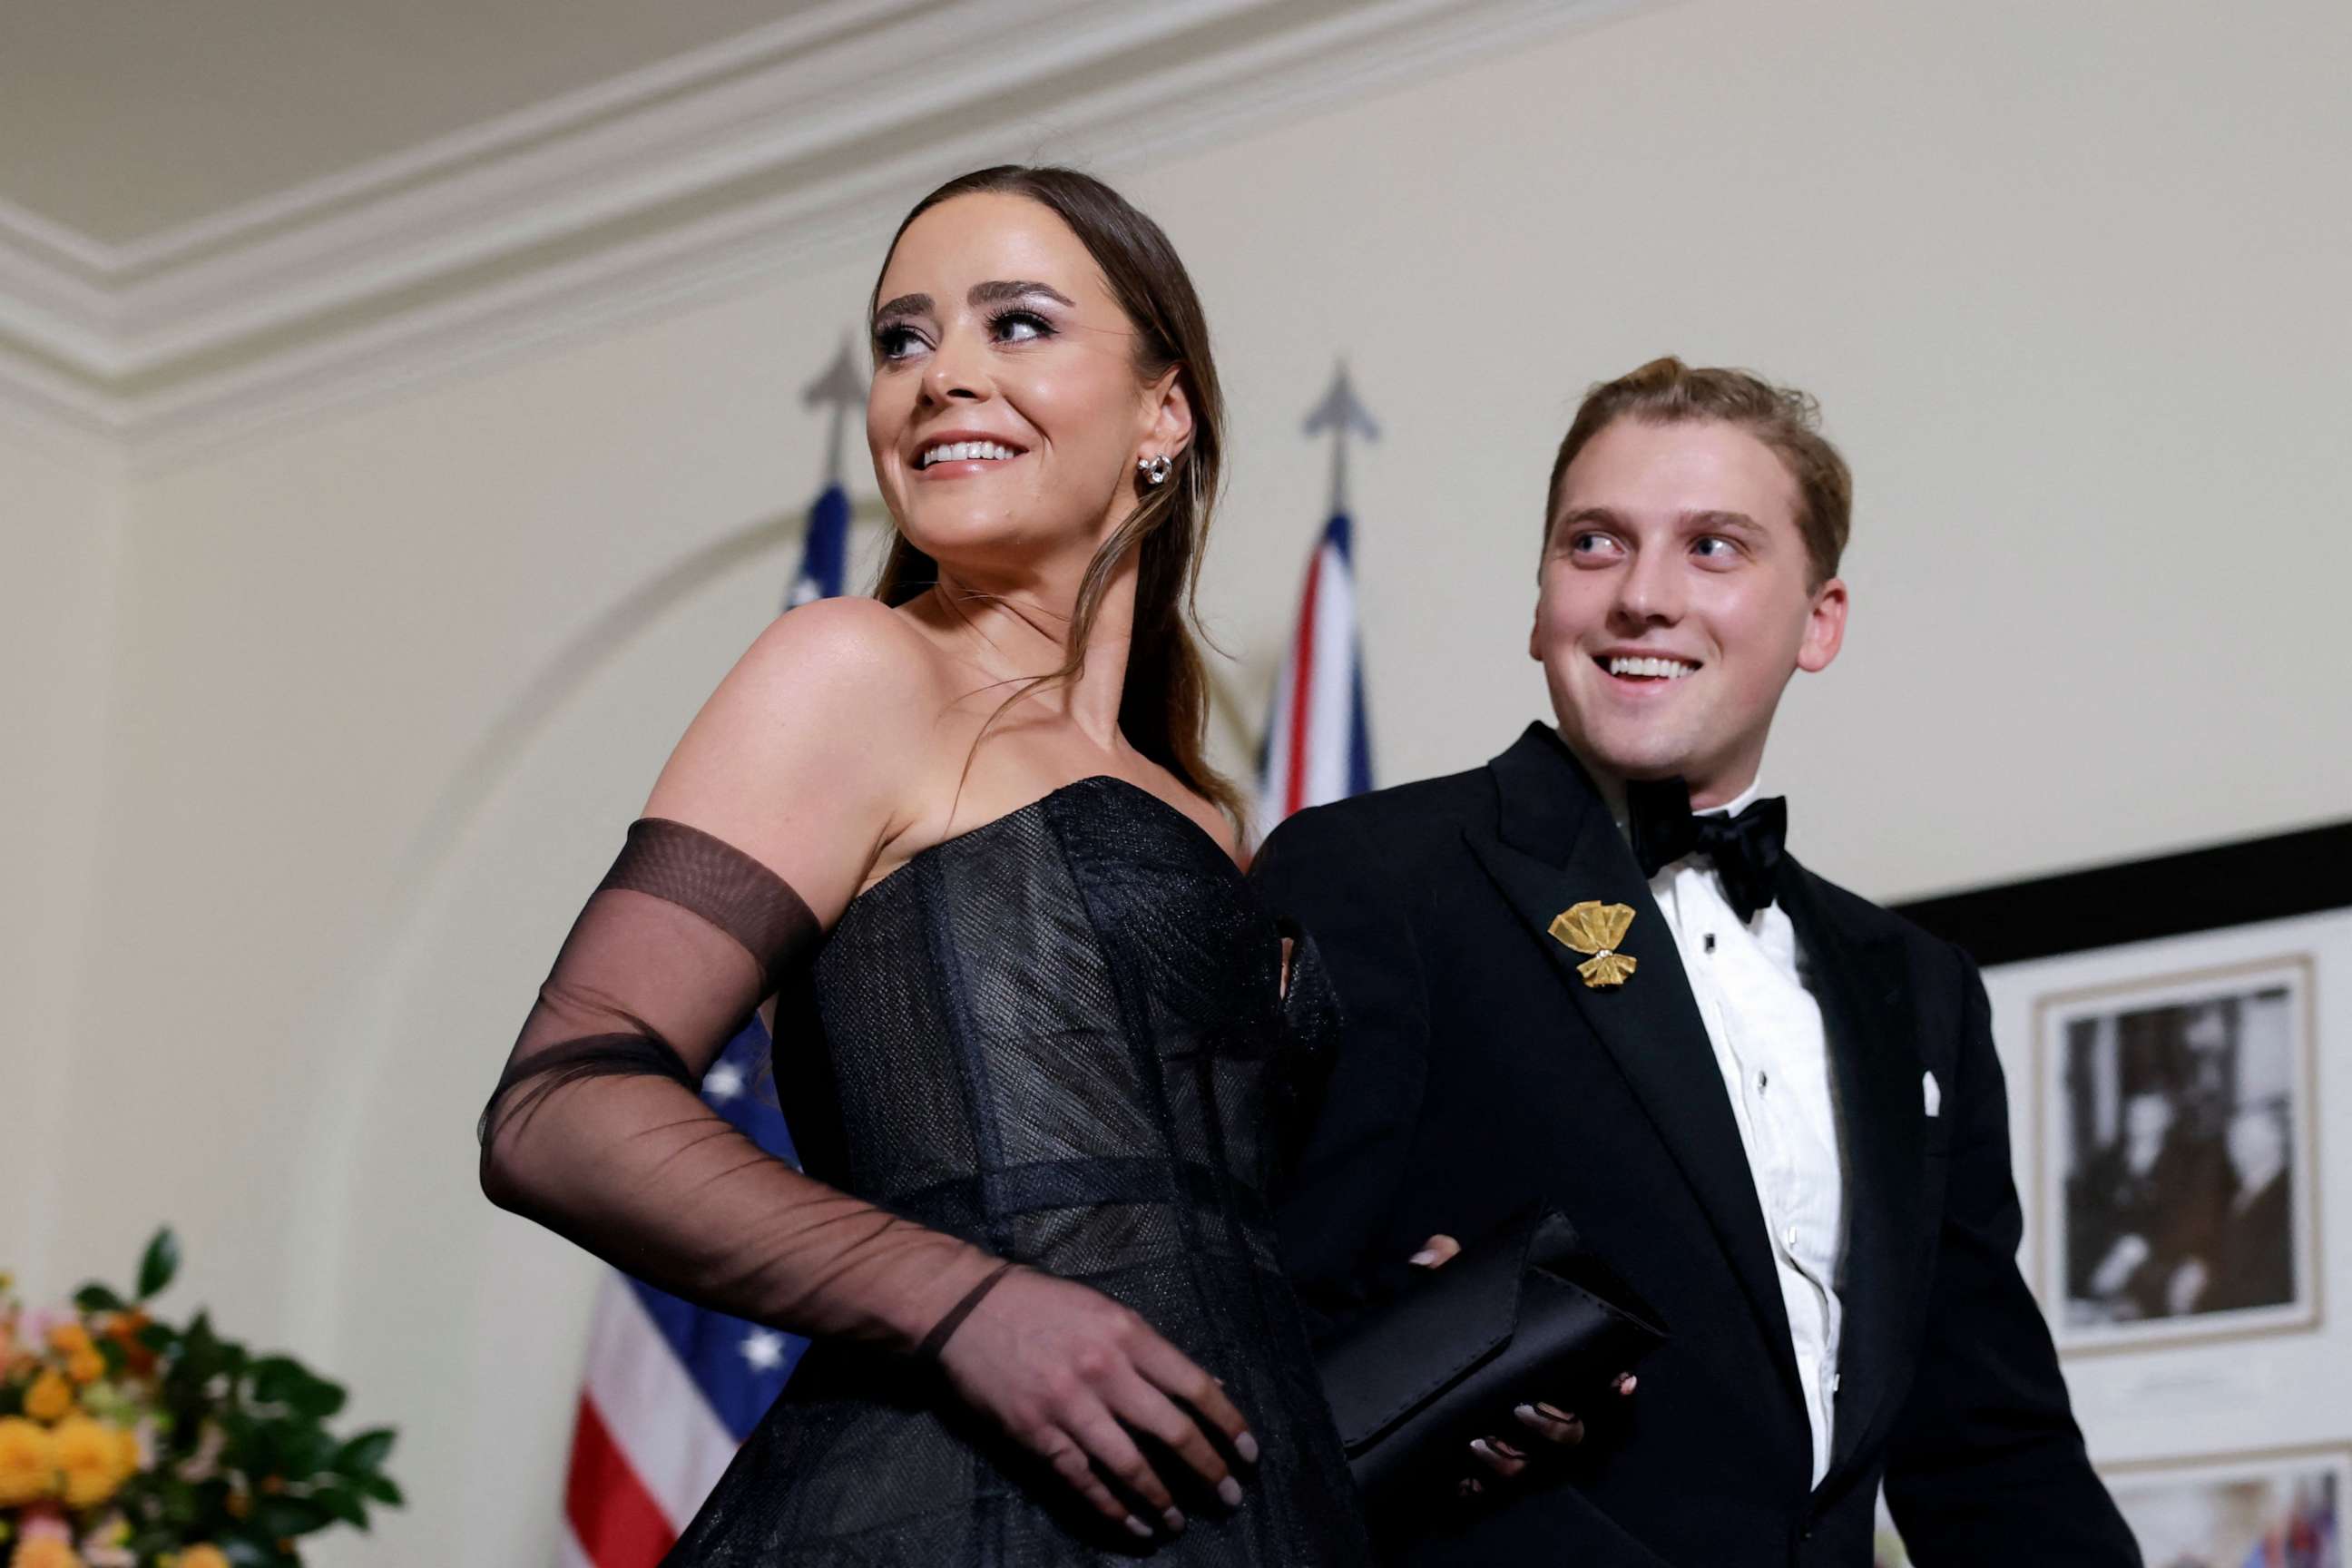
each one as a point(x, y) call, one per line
point(1033, 1031)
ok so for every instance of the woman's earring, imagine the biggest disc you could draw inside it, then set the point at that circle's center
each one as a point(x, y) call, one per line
point(1154, 470)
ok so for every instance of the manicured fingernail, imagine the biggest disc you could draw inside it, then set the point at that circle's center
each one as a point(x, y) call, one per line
point(1507, 1450)
point(1138, 1529)
point(1246, 1446)
point(1423, 1258)
point(1555, 1411)
point(1229, 1492)
point(1479, 1446)
point(1524, 1412)
point(1628, 1382)
point(1175, 1518)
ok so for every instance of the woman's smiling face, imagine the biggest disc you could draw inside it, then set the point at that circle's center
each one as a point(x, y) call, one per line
point(1006, 415)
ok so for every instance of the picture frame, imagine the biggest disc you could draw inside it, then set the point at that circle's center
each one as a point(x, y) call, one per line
point(2285, 1505)
point(2165, 1042)
point(2279, 1505)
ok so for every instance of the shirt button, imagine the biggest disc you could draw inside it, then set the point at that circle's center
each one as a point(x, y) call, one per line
point(1789, 1237)
point(1763, 1082)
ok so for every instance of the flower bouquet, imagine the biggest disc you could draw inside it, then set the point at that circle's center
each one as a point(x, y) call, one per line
point(128, 1443)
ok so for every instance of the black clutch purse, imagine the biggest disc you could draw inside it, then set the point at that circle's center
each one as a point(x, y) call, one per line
point(1524, 1313)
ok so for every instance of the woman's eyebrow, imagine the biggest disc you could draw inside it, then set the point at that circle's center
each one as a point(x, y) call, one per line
point(905, 305)
point(997, 293)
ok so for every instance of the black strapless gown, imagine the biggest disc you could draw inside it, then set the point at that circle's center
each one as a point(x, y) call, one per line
point(1059, 1036)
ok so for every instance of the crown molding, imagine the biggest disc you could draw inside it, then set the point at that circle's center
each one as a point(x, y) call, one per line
point(701, 173)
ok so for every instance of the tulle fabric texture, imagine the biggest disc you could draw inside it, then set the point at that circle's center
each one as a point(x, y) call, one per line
point(595, 1128)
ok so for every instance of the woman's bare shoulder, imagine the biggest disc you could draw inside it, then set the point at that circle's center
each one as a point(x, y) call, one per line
point(803, 755)
point(845, 648)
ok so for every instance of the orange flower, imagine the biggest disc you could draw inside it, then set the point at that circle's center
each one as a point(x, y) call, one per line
point(85, 1366)
point(44, 1552)
point(90, 1456)
point(68, 1337)
point(28, 1467)
point(203, 1557)
point(50, 1398)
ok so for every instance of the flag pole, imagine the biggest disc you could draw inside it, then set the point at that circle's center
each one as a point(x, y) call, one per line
point(1341, 412)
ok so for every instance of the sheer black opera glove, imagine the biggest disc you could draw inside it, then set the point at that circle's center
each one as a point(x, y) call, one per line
point(597, 1131)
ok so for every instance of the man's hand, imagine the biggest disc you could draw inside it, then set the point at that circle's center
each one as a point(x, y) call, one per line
point(1500, 1457)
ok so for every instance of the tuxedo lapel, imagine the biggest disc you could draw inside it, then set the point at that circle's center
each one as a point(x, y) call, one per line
point(1555, 845)
point(1859, 982)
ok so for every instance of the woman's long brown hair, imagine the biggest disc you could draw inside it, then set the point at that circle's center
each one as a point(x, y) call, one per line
point(1164, 708)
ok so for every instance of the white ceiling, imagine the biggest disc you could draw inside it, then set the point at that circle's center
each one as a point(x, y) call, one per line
point(216, 212)
point(120, 119)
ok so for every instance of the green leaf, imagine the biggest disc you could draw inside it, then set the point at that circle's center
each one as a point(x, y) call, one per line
point(282, 1380)
point(305, 1451)
point(321, 1399)
point(364, 1454)
point(96, 1297)
point(345, 1506)
point(280, 1517)
point(159, 1337)
point(201, 1349)
point(161, 1262)
point(382, 1488)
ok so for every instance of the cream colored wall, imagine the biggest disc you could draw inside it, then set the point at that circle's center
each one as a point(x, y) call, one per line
point(386, 686)
point(61, 520)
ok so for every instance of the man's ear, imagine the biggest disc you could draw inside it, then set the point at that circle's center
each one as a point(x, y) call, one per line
point(1171, 430)
point(1824, 627)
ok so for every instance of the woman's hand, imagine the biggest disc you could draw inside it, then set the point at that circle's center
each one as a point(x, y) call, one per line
point(1066, 1371)
point(1547, 1421)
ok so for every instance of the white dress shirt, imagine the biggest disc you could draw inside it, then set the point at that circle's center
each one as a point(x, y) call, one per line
point(1770, 1046)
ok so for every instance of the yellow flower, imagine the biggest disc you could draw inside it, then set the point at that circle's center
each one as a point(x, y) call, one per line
point(50, 1398)
point(68, 1337)
point(90, 1456)
point(28, 1467)
point(203, 1557)
point(85, 1366)
point(44, 1552)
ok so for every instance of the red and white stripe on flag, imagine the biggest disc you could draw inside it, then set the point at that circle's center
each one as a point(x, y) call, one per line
point(647, 1447)
point(1316, 749)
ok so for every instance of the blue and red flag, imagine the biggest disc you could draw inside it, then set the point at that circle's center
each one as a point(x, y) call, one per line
point(1317, 747)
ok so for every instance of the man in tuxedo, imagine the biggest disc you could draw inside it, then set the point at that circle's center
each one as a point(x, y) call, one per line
point(1783, 1122)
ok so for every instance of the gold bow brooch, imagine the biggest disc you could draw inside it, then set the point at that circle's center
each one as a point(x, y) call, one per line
point(1597, 928)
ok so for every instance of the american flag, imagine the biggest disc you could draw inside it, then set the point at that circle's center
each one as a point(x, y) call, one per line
point(672, 1390)
point(1317, 747)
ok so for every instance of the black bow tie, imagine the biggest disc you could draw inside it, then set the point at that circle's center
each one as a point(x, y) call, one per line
point(1744, 849)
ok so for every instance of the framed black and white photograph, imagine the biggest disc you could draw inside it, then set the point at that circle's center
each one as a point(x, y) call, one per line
point(2177, 1193)
point(2281, 1510)
point(2165, 1026)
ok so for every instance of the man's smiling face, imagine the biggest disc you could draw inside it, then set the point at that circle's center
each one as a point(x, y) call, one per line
point(1677, 598)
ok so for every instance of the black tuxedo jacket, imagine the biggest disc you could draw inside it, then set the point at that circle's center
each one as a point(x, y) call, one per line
point(1477, 1073)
